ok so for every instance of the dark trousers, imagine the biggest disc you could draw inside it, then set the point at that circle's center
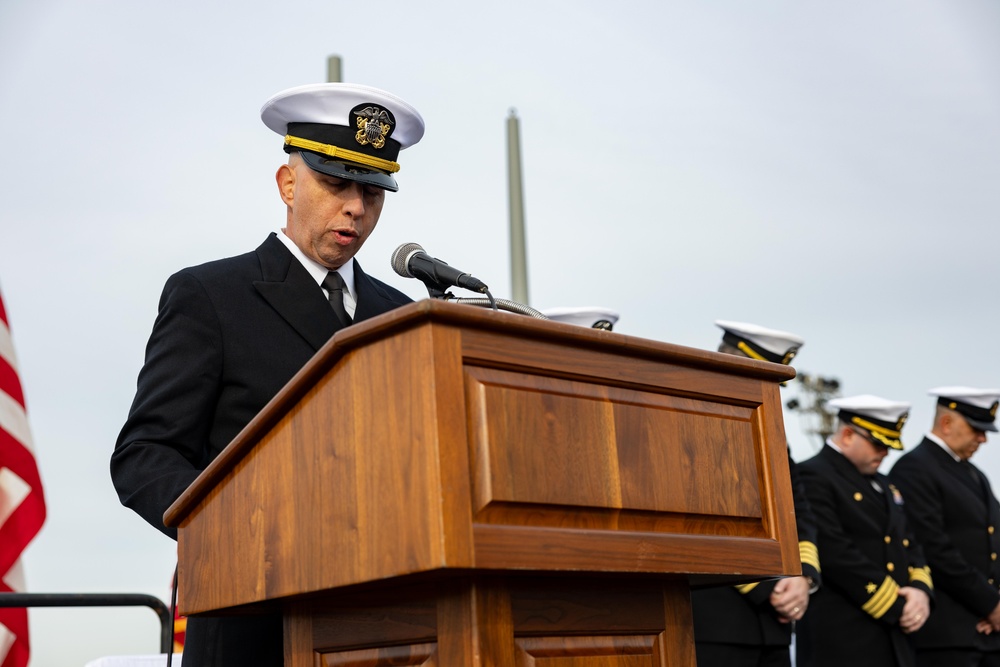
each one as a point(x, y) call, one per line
point(957, 658)
point(734, 655)
point(235, 641)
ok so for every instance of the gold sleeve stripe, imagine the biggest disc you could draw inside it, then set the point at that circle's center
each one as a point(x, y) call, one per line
point(809, 554)
point(923, 575)
point(883, 598)
point(342, 154)
point(746, 588)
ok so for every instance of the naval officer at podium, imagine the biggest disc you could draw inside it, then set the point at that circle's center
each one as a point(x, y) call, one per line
point(230, 333)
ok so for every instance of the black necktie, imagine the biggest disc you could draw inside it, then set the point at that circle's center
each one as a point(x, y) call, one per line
point(971, 472)
point(334, 284)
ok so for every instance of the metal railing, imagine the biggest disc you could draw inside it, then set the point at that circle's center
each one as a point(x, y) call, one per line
point(23, 600)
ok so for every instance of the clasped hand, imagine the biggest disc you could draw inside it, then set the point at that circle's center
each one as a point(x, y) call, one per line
point(991, 623)
point(790, 598)
point(916, 609)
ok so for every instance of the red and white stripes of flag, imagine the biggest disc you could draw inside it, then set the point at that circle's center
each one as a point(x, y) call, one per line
point(22, 505)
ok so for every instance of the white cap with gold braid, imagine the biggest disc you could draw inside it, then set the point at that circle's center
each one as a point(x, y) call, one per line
point(881, 418)
point(759, 342)
point(978, 406)
point(345, 129)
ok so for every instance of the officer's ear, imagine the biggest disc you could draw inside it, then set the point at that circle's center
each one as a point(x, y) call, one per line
point(847, 437)
point(946, 422)
point(285, 178)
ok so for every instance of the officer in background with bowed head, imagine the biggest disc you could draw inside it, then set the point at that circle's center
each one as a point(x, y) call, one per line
point(877, 586)
point(751, 625)
point(956, 517)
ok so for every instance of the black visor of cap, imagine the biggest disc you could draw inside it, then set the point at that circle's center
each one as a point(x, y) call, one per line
point(981, 426)
point(325, 165)
point(980, 419)
point(733, 340)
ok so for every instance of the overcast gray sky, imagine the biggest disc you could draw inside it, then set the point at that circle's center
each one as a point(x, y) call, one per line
point(826, 168)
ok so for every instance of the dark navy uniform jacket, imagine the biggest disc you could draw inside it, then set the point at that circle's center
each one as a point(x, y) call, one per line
point(868, 552)
point(957, 520)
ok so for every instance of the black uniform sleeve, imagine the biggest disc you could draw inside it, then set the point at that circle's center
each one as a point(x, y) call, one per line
point(918, 569)
point(805, 523)
point(951, 571)
point(163, 445)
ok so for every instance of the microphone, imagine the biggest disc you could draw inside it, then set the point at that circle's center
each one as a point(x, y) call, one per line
point(410, 261)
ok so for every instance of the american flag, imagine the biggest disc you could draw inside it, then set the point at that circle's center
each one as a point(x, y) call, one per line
point(22, 506)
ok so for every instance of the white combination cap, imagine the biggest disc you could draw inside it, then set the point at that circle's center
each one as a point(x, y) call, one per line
point(594, 317)
point(882, 419)
point(759, 342)
point(345, 130)
point(978, 406)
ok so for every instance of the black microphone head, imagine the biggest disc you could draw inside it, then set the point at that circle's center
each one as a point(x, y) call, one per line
point(401, 258)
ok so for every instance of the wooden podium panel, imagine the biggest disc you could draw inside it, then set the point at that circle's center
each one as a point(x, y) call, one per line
point(622, 449)
point(492, 621)
point(581, 450)
point(449, 444)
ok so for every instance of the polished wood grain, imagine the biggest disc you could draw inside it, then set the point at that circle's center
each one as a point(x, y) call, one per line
point(475, 623)
point(313, 508)
point(298, 644)
point(415, 655)
point(599, 651)
point(555, 442)
point(503, 621)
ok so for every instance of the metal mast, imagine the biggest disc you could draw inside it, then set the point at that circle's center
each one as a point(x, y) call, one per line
point(333, 71)
point(515, 189)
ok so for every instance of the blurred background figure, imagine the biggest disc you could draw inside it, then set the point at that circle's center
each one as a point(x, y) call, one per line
point(751, 625)
point(876, 583)
point(955, 515)
point(594, 317)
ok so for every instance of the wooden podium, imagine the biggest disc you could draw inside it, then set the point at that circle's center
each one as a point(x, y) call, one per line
point(449, 486)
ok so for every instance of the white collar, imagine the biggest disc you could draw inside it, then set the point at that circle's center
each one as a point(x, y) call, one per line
point(835, 447)
point(943, 445)
point(317, 270)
